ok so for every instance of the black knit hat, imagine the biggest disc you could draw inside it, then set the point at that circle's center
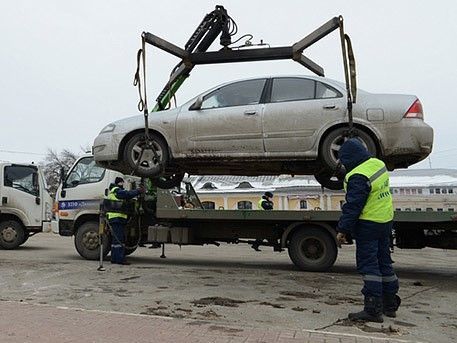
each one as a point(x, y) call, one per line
point(118, 179)
point(269, 194)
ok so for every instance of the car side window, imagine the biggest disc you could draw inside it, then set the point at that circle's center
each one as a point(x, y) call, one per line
point(292, 89)
point(236, 94)
point(324, 91)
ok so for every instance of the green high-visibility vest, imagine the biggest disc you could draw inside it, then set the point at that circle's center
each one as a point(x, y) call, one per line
point(379, 207)
point(259, 204)
point(112, 196)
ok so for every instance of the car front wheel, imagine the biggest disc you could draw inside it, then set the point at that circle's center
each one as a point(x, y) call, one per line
point(146, 158)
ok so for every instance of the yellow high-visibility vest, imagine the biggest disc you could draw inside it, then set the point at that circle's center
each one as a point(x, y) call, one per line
point(112, 196)
point(379, 206)
point(259, 204)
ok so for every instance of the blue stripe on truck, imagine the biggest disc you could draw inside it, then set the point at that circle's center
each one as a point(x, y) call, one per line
point(76, 204)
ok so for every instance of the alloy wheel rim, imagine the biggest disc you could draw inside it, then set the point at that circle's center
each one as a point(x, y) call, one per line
point(149, 160)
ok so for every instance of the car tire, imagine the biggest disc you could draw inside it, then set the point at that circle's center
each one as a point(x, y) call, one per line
point(86, 241)
point(168, 181)
point(312, 249)
point(150, 164)
point(332, 142)
point(328, 180)
point(11, 234)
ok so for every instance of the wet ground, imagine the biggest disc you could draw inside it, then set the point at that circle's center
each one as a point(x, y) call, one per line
point(233, 284)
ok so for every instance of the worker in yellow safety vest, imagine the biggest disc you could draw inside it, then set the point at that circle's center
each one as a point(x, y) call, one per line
point(117, 217)
point(266, 204)
point(367, 217)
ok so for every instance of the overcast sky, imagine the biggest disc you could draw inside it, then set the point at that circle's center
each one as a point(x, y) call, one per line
point(66, 68)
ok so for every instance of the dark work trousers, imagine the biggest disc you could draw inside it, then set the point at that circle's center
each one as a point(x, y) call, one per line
point(373, 259)
point(118, 240)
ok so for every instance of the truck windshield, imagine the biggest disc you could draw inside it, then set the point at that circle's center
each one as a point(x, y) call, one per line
point(22, 178)
point(85, 171)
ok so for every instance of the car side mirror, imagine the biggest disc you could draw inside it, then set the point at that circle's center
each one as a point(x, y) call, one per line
point(197, 104)
point(37, 200)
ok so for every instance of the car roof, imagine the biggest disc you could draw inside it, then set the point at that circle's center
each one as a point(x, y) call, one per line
point(335, 83)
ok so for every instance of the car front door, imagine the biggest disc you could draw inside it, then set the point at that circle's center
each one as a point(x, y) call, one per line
point(228, 123)
point(295, 111)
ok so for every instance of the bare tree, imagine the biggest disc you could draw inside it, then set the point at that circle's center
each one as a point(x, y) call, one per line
point(52, 165)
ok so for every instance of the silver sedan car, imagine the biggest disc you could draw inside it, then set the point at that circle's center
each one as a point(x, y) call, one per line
point(265, 126)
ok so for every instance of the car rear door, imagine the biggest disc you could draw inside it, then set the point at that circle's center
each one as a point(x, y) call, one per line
point(229, 122)
point(296, 109)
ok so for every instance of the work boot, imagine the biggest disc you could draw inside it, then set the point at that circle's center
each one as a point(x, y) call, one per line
point(390, 304)
point(372, 311)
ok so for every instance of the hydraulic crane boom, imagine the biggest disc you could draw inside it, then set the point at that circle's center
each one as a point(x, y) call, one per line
point(218, 22)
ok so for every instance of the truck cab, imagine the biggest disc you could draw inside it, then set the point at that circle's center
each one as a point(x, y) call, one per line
point(78, 199)
point(26, 204)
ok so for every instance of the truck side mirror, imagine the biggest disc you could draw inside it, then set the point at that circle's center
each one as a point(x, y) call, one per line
point(62, 177)
point(197, 104)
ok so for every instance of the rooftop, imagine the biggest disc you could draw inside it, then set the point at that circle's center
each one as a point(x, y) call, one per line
point(286, 183)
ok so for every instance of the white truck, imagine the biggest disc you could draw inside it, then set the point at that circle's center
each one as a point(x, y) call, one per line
point(26, 205)
point(78, 200)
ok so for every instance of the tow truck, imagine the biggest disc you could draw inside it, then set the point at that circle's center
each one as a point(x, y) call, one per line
point(176, 216)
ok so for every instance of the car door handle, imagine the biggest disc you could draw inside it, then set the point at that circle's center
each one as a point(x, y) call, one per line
point(330, 107)
point(250, 112)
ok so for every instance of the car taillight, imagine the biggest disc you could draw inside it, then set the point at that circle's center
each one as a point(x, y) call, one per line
point(415, 111)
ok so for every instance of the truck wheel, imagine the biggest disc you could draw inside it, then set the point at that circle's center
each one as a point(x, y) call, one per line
point(26, 237)
point(142, 160)
point(86, 241)
point(312, 249)
point(11, 234)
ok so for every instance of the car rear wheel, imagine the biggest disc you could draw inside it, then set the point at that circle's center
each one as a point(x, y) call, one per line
point(329, 180)
point(334, 140)
point(146, 160)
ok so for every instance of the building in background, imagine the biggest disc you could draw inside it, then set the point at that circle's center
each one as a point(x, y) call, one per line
point(412, 190)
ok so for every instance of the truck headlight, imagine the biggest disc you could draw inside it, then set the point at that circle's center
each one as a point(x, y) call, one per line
point(108, 128)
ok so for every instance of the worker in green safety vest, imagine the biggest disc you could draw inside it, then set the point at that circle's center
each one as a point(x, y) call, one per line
point(117, 216)
point(265, 204)
point(367, 217)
